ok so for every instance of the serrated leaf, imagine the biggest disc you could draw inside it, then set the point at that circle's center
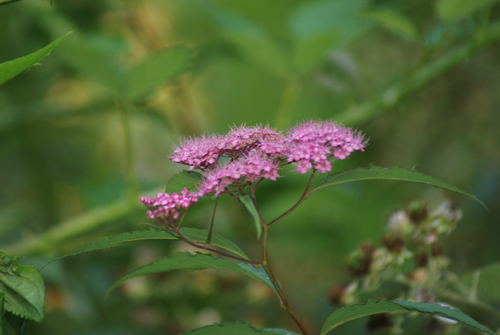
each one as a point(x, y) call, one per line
point(484, 282)
point(194, 234)
point(395, 22)
point(23, 287)
point(371, 307)
point(395, 173)
point(247, 201)
point(155, 71)
point(233, 328)
point(450, 10)
point(182, 180)
point(14, 67)
point(187, 262)
point(321, 26)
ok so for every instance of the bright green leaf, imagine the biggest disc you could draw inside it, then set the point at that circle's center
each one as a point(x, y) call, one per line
point(450, 10)
point(356, 311)
point(395, 22)
point(247, 201)
point(182, 180)
point(395, 173)
point(188, 262)
point(155, 71)
point(14, 67)
point(236, 328)
point(484, 282)
point(23, 287)
point(193, 234)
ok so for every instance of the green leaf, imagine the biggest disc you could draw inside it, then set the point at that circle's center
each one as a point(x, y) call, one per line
point(23, 287)
point(321, 26)
point(194, 234)
point(280, 331)
point(484, 283)
point(236, 328)
point(188, 262)
point(395, 173)
point(13, 325)
point(450, 10)
point(371, 307)
point(155, 71)
point(182, 180)
point(395, 22)
point(6, 2)
point(253, 41)
point(14, 67)
point(247, 201)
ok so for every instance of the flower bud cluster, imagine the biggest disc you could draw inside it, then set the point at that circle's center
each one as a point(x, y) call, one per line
point(167, 208)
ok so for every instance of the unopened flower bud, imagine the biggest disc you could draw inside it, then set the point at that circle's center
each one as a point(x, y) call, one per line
point(418, 212)
point(360, 260)
point(393, 241)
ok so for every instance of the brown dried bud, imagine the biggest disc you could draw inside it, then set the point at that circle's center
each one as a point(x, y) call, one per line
point(361, 259)
point(421, 259)
point(379, 323)
point(393, 241)
point(336, 294)
point(419, 275)
point(418, 212)
point(436, 250)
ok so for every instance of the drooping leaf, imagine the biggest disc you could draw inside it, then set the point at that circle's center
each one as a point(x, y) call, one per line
point(155, 71)
point(23, 287)
point(395, 22)
point(182, 180)
point(193, 234)
point(14, 67)
point(395, 173)
point(321, 26)
point(450, 10)
point(484, 282)
point(188, 262)
point(247, 201)
point(280, 331)
point(371, 307)
point(233, 328)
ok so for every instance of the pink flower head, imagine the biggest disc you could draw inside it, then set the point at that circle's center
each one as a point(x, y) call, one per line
point(199, 152)
point(166, 208)
point(248, 168)
point(313, 143)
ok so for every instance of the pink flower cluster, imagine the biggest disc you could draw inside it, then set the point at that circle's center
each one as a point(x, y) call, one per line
point(248, 168)
point(166, 208)
point(247, 154)
point(315, 143)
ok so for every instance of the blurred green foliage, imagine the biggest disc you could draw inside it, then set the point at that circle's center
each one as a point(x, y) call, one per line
point(89, 131)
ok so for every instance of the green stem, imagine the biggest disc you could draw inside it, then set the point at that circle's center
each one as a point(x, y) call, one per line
point(304, 196)
point(132, 185)
point(288, 101)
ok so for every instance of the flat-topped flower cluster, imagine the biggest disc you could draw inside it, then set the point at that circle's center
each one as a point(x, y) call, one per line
point(250, 154)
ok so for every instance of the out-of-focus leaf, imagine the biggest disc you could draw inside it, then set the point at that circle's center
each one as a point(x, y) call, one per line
point(247, 201)
point(356, 311)
point(320, 26)
point(450, 10)
point(6, 2)
point(253, 41)
point(159, 69)
point(194, 234)
point(395, 22)
point(485, 282)
point(188, 262)
point(23, 287)
point(395, 173)
point(11, 324)
point(280, 331)
point(182, 180)
point(233, 328)
point(14, 67)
